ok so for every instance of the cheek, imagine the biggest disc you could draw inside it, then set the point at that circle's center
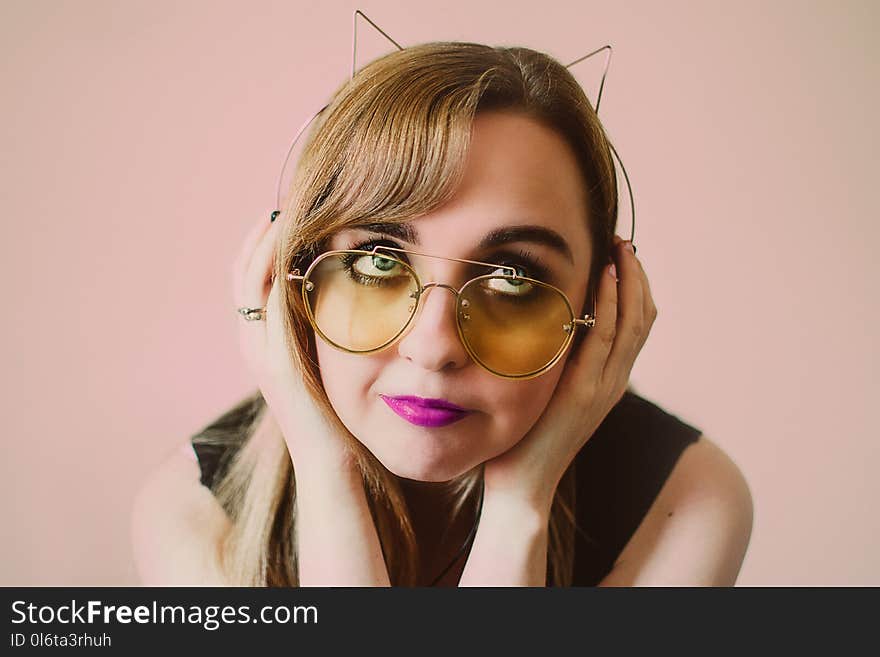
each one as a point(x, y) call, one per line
point(519, 407)
point(349, 382)
point(344, 376)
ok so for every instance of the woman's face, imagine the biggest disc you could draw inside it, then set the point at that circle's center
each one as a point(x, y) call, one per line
point(519, 172)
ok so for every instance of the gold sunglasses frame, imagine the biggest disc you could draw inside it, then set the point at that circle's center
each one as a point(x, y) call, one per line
point(589, 320)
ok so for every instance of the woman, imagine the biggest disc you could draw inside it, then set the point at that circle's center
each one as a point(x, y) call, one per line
point(434, 166)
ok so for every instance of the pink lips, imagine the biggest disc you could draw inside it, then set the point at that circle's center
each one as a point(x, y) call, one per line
point(425, 412)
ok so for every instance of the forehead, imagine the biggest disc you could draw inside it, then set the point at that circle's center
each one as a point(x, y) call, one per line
point(515, 160)
point(519, 171)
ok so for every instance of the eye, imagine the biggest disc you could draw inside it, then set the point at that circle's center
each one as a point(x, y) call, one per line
point(524, 263)
point(373, 270)
point(507, 285)
point(373, 265)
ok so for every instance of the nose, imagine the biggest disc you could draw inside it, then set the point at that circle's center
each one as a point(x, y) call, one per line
point(432, 340)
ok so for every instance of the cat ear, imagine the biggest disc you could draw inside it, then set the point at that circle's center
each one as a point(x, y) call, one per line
point(354, 32)
point(604, 72)
point(354, 27)
point(632, 203)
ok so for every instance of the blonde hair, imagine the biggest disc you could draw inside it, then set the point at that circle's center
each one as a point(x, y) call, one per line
point(391, 146)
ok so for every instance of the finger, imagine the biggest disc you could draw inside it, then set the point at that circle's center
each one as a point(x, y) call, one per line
point(259, 273)
point(272, 305)
point(243, 257)
point(255, 278)
point(250, 242)
point(630, 317)
point(597, 345)
point(649, 308)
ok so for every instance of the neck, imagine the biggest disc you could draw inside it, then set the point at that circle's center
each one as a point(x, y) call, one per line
point(438, 535)
point(430, 503)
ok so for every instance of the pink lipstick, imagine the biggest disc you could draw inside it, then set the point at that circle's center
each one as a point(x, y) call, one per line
point(425, 412)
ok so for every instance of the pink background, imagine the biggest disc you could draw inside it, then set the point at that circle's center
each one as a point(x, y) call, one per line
point(142, 139)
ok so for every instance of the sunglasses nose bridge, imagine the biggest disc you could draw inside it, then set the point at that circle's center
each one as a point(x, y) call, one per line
point(417, 298)
point(448, 287)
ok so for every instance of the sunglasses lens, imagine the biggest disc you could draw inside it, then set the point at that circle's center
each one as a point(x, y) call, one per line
point(512, 326)
point(360, 302)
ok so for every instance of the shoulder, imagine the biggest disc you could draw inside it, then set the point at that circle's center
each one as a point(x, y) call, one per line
point(698, 528)
point(177, 525)
point(706, 476)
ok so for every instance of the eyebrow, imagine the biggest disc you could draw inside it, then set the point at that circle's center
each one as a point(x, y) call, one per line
point(519, 233)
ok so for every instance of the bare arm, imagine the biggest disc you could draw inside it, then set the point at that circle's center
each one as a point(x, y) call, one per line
point(510, 547)
point(337, 542)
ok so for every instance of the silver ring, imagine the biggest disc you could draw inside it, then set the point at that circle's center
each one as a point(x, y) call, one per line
point(252, 314)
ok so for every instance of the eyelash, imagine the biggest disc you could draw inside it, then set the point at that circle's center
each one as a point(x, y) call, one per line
point(523, 259)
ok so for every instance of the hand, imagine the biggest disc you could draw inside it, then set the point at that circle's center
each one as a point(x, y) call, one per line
point(593, 381)
point(263, 345)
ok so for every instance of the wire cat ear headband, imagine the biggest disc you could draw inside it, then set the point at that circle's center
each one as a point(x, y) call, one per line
point(358, 12)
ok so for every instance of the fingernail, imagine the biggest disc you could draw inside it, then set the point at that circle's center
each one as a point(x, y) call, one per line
point(274, 215)
point(629, 245)
point(612, 269)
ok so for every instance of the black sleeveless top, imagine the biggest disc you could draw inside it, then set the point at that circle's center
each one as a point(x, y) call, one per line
point(619, 472)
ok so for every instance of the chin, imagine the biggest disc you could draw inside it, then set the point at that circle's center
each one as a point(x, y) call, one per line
point(425, 472)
